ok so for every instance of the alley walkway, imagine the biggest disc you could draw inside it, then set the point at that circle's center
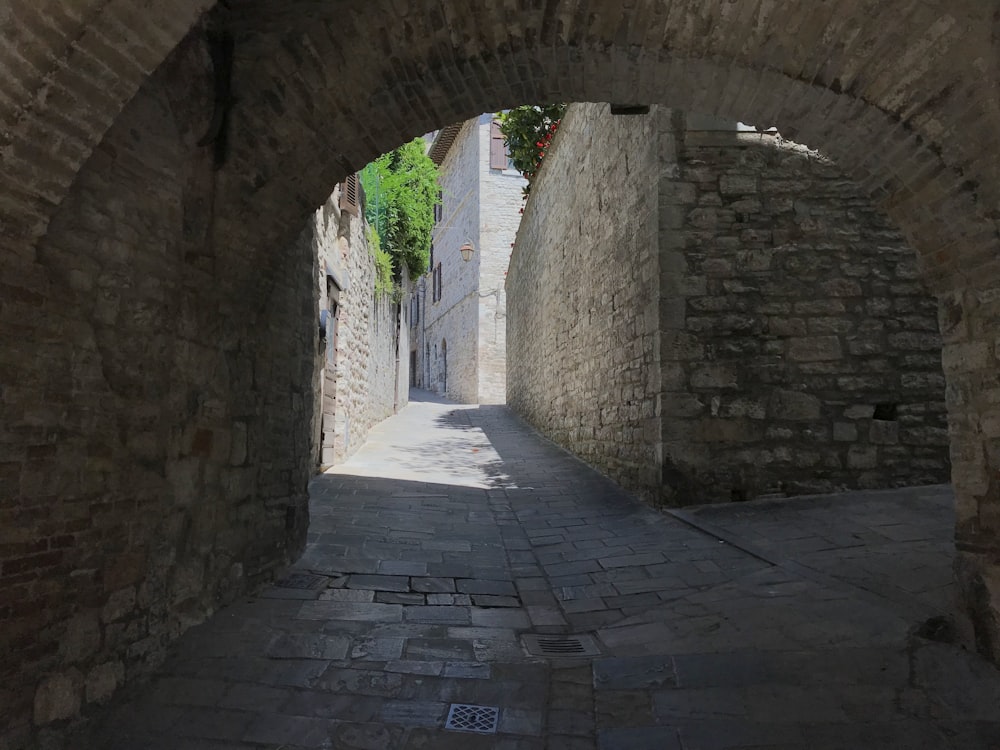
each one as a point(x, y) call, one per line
point(456, 533)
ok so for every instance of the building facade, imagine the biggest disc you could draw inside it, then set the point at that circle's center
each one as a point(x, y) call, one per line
point(459, 309)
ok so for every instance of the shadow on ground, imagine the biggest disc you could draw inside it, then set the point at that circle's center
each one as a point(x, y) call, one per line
point(781, 626)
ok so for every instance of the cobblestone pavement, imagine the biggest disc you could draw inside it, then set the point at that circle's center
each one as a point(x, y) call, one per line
point(457, 531)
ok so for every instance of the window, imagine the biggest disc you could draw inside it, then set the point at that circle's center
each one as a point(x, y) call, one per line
point(439, 208)
point(350, 196)
point(498, 150)
point(437, 282)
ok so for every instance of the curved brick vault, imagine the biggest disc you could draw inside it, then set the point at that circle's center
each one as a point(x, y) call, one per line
point(902, 93)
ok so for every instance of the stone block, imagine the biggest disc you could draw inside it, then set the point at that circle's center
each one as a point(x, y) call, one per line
point(238, 444)
point(841, 288)
point(58, 697)
point(794, 406)
point(736, 184)
point(379, 582)
point(966, 357)
point(859, 411)
point(681, 405)
point(783, 326)
point(498, 588)
point(845, 432)
point(714, 377)
point(718, 268)
point(864, 346)
point(862, 457)
point(359, 611)
point(82, 638)
point(915, 341)
point(814, 349)
point(307, 646)
point(754, 408)
point(347, 595)
point(119, 604)
point(820, 306)
point(103, 680)
point(717, 430)
point(927, 436)
point(882, 432)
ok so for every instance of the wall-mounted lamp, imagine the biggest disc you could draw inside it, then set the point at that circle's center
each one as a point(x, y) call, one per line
point(467, 250)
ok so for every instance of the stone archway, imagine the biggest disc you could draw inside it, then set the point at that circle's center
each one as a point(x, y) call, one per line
point(900, 93)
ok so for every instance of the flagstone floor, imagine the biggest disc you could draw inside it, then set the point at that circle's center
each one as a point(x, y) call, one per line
point(457, 531)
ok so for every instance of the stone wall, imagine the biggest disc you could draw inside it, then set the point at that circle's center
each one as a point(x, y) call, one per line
point(801, 351)
point(794, 349)
point(139, 432)
point(582, 343)
point(357, 362)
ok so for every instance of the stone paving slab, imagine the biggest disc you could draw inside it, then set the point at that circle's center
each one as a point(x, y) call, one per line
point(766, 625)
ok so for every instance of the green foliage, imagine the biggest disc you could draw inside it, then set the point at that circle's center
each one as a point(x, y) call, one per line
point(385, 284)
point(401, 190)
point(528, 132)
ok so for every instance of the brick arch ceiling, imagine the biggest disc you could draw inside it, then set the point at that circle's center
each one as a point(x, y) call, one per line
point(901, 92)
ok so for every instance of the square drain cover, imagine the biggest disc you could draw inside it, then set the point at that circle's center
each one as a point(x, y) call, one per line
point(301, 581)
point(561, 645)
point(479, 719)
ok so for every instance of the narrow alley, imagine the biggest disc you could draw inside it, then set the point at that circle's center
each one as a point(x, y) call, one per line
point(459, 558)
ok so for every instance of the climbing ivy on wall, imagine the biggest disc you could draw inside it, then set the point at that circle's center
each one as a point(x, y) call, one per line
point(528, 131)
point(385, 285)
point(401, 190)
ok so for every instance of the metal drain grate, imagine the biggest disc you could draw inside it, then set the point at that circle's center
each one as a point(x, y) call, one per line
point(480, 719)
point(301, 581)
point(561, 645)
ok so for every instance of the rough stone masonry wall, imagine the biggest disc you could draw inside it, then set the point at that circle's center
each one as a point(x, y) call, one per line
point(800, 350)
point(360, 376)
point(366, 368)
point(139, 433)
point(582, 343)
point(787, 311)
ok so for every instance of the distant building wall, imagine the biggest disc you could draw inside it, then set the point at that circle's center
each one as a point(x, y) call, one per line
point(481, 204)
point(795, 350)
point(499, 211)
point(450, 323)
point(357, 372)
